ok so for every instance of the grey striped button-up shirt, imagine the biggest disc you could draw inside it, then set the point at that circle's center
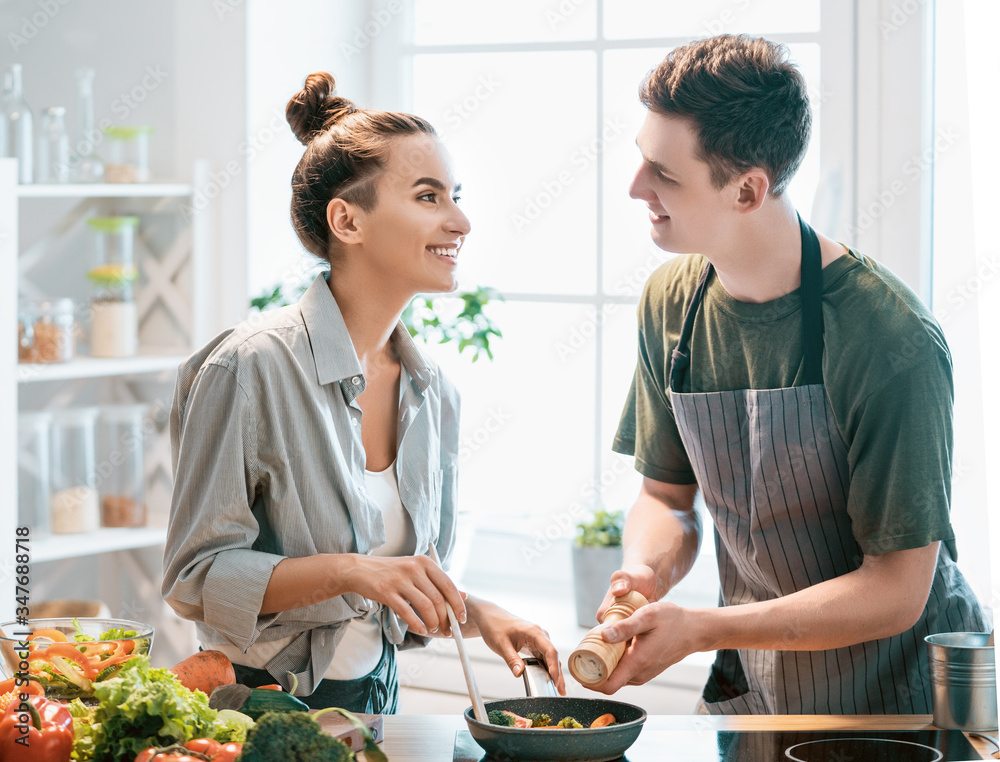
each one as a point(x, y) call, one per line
point(268, 464)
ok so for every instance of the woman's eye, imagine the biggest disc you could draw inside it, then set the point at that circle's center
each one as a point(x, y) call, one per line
point(427, 197)
point(457, 199)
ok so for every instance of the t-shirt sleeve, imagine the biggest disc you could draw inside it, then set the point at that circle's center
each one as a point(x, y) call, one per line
point(647, 428)
point(900, 458)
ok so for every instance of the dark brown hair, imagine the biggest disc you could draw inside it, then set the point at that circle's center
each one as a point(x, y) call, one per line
point(346, 149)
point(748, 103)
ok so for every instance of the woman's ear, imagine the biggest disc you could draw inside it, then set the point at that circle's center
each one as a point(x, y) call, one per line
point(342, 217)
point(753, 188)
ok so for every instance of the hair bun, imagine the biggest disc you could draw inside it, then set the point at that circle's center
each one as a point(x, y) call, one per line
point(315, 108)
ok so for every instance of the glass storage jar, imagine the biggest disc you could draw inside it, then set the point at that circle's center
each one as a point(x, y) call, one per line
point(46, 330)
point(120, 465)
point(33, 478)
point(73, 504)
point(114, 322)
point(128, 151)
point(53, 147)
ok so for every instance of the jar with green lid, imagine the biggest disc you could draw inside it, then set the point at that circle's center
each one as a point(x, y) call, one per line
point(114, 320)
point(128, 152)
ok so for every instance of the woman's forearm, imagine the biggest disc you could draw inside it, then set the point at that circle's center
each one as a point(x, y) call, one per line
point(298, 582)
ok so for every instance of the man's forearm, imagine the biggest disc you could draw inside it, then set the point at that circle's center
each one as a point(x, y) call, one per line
point(663, 537)
point(882, 598)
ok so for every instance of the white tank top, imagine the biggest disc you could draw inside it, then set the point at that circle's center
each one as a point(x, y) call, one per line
point(360, 649)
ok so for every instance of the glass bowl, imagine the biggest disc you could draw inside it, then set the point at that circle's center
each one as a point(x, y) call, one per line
point(67, 656)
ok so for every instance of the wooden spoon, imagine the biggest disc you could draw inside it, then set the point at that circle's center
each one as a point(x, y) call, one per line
point(478, 707)
point(9, 654)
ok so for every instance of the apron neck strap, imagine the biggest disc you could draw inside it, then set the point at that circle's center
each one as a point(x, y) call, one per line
point(811, 294)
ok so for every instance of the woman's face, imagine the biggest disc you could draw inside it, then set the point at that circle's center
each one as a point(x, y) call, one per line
point(414, 233)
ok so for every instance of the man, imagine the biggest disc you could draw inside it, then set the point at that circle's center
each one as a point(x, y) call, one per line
point(806, 391)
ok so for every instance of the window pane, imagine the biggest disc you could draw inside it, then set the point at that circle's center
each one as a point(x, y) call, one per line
point(526, 449)
point(619, 479)
point(444, 22)
point(629, 253)
point(524, 153)
point(643, 19)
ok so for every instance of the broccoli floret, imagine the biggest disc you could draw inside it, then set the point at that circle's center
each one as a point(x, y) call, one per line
point(569, 722)
point(496, 717)
point(292, 737)
point(538, 720)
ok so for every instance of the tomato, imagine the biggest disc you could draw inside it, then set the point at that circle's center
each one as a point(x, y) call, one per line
point(229, 752)
point(207, 746)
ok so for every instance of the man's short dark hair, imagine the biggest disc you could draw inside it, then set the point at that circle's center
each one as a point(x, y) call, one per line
point(749, 105)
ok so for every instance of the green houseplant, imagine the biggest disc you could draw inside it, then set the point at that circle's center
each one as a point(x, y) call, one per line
point(427, 319)
point(597, 554)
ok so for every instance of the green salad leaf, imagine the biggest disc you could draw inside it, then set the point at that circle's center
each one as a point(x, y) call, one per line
point(148, 706)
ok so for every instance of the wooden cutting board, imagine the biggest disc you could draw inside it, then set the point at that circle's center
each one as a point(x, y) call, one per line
point(338, 726)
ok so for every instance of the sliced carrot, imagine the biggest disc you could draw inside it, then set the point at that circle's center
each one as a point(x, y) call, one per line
point(272, 687)
point(603, 721)
point(53, 635)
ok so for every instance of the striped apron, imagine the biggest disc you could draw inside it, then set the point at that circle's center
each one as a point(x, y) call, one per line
point(773, 471)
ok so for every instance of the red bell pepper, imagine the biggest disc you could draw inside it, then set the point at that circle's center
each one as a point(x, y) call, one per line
point(36, 730)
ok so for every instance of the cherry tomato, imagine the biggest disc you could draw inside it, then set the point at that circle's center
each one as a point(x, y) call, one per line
point(207, 746)
point(229, 752)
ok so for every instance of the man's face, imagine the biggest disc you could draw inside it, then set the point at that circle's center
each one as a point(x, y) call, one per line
point(687, 211)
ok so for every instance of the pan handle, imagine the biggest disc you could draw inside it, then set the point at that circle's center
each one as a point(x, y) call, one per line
point(537, 681)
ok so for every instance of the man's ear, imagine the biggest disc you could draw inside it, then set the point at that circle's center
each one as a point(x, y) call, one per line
point(753, 188)
point(342, 217)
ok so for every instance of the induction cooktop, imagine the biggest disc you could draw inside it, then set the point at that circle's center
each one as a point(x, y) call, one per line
point(779, 746)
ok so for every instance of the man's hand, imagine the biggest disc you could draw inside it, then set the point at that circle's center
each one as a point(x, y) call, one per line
point(638, 577)
point(507, 634)
point(661, 633)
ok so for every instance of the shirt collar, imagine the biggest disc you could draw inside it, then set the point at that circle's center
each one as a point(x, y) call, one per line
point(332, 347)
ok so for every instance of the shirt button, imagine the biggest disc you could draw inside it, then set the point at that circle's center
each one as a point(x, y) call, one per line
point(356, 380)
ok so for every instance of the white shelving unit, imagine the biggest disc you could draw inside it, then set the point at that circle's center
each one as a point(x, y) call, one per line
point(175, 293)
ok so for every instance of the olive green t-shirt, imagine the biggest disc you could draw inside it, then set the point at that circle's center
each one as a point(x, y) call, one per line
point(886, 369)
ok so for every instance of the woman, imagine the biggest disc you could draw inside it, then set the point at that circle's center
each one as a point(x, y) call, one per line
point(315, 447)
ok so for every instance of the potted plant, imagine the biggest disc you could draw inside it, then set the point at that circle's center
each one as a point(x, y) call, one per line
point(597, 554)
point(428, 319)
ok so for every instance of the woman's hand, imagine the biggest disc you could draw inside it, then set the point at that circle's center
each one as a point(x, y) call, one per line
point(412, 586)
point(507, 634)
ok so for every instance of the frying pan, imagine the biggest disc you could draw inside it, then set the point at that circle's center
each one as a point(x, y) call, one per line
point(582, 745)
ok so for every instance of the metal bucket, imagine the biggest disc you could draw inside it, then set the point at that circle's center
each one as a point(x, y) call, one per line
point(963, 680)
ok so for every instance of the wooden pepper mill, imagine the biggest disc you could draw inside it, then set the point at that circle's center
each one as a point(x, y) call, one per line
point(594, 660)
